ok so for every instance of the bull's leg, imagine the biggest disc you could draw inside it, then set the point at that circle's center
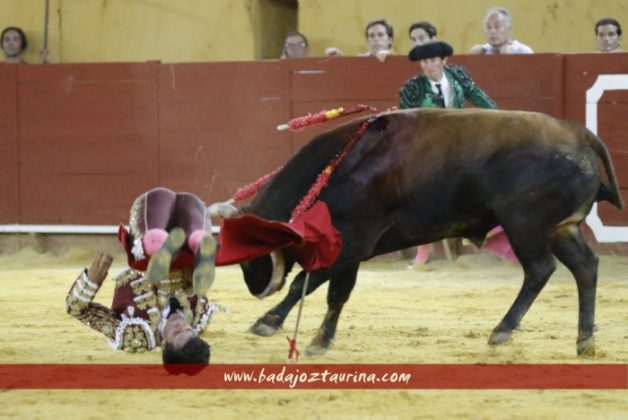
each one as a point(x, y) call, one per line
point(340, 286)
point(538, 265)
point(271, 322)
point(571, 249)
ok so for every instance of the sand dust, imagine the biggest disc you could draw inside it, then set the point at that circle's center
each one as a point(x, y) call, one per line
point(441, 315)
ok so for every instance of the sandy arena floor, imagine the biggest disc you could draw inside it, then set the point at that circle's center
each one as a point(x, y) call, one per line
point(441, 315)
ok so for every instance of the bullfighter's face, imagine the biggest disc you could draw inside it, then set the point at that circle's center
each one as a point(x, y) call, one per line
point(177, 332)
point(433, 67)
point(607, 38)
point(378, 38)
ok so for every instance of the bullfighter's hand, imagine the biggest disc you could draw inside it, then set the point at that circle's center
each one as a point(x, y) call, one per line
point(97, 272)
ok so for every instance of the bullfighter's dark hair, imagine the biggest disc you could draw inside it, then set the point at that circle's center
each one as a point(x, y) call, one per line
point(24, 41)
point(608, 21)
point(426, 26)
point(195, 352)
point(389, 28)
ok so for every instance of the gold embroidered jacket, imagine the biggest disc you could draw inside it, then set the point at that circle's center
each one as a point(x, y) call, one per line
point(132, 322)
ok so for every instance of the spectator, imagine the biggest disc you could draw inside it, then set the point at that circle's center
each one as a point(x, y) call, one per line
point(608, 35)
point(14, 43)
point(379, 37)
point(497, 25)
point(422, 32)
point(441, 85)
point(295, 46)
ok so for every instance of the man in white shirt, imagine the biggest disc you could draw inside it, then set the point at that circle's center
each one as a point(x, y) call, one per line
point(497, 26)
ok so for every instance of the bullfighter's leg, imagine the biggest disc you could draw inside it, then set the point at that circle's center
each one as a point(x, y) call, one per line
point(272, 321)
point(340, 287)
point(150, 215)
point(572, 250)
point(532, 249)
point(204, 266)
point(159, 264)
point(191, 215)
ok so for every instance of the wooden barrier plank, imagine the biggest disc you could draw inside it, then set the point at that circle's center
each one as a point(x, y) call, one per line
point(88, 144)
point(9, 176)
point(525, 82)
point(99, 199)
point(121, 128)
point(217, 125)
point(344, 78)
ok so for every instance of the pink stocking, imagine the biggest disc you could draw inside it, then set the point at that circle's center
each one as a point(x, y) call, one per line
point(422, 254)
point(153, 240)
point(194, 241)
point(498, 244)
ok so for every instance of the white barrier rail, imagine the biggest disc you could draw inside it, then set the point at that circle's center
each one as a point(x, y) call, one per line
point(69, 229)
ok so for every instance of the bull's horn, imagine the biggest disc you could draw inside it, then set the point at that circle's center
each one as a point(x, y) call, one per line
point(222, 210)
point(278, 277)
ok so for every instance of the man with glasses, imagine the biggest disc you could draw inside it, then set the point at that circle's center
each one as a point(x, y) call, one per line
point(295, 46)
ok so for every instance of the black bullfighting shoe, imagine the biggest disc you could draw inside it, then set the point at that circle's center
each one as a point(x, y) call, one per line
point(204, 266)
point(159, 264)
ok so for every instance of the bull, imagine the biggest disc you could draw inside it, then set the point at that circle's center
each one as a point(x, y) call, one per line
point(419, 176)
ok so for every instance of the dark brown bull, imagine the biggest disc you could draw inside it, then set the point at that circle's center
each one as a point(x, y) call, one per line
point(418, 176)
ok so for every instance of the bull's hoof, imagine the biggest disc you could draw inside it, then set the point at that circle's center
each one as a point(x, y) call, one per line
point(266, 326)
point(586, 347)
point(318, 346)
point(263, 330)
point(499, 337)
point(315, 350)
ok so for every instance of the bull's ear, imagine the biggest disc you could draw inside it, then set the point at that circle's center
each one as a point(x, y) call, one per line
point(223, 210)
point(379, 123)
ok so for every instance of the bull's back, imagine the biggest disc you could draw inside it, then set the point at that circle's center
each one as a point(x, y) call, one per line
point(479, 133)
point(448, 166)
point(424, 145)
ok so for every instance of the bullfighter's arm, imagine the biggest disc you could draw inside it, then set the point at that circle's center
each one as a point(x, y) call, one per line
point(411, 93)
point(79, 302)
point(479, 98)
point(471, 91)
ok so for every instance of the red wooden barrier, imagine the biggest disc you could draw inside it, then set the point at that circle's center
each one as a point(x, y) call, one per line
point(9, 176)
point(80, 141)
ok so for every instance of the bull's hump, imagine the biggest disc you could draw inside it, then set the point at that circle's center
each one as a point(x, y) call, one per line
point(474, 122)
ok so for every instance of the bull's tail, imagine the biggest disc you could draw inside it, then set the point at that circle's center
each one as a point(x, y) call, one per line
point(610, 191)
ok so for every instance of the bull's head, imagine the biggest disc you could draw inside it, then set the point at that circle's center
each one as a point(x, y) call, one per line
point(264, 275)
point(267, 274)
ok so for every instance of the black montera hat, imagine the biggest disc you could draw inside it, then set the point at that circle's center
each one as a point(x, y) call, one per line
point(430, 49)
